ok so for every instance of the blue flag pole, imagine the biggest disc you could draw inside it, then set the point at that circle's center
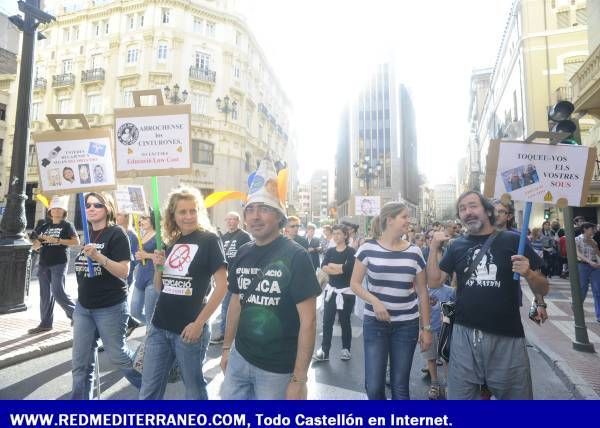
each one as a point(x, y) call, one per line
point(86, 232)
point(523, 238)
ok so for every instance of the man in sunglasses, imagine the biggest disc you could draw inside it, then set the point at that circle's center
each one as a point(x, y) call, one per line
point(272, 311)
point(291, 231)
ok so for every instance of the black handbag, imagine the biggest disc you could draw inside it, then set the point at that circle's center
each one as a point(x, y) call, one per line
point(449, 308)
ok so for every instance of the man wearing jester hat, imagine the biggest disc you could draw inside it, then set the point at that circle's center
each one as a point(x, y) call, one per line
point(272, 312)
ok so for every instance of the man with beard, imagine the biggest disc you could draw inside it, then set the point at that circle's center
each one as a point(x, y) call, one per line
point(488, 344)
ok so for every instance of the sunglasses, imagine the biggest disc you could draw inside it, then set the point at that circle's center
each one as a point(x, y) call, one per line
point(97, 205)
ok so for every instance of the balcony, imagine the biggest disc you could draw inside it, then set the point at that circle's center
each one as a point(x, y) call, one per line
point(203, 74)
point(563, 93)
point(586, 85)
point(63, 80)
point(93, 75)
point(39, 83)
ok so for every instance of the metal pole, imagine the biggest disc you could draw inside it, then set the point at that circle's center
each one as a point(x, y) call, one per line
point(581, 342)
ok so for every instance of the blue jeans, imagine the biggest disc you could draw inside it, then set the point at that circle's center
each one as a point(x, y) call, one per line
point(143, 302)
point(52, 288)
point(396, 341)
point(109, 324)
point(224, 307)
point(588, 274)
point(163, 347)
point(243, 381)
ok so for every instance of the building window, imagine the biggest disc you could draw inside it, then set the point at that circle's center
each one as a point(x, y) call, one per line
point(64, 105)
point(581, 16)
point(162, 51)
point(2, 112)
point(249, 120)
point(132, 55)
point(130, 22)
point(563, 20)
point(141, 20)
point(235, 112)
point(248, 163)
point(94, 104)
point(76, 32)
point(96, 61)
point(260, 132)
point(210, 29)
point(238, 38)
point(105, 27)
point(128, 97)
point(96, 26)
point(35, 111)
point(67, 66)
point(1, 146)
point(32, 156)
point(165, 16)
point(203, 152)
point(202, 60)
point(237, 70)
point(66, 34)
point(198, 25)
point(199, 103)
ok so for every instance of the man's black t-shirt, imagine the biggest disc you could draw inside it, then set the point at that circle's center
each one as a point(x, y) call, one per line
point(103, 289)
point(345, 258)
point(301, 241)
point(267, 334)
point(489, 300)
point(55, 254)
point(189, 264)
point(232, 241)
point(315, 244)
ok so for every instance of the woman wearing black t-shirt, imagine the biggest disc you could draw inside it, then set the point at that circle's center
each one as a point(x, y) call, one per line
point(338, 262)
point(101, 310)
point(53, 237)
point(179, 330)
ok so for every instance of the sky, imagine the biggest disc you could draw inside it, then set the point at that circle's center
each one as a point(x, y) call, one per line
point(322, 51)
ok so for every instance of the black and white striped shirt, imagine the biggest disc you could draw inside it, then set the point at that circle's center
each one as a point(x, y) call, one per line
point(390, 276)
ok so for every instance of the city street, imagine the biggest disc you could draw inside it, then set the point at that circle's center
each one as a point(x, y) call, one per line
point(49, 376)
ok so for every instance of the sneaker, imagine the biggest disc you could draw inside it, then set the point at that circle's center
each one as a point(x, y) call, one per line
point(345, 354)
point(38, 329)
point(320, 356)
point(434, 392)
point(132, 324)
point(216, 340)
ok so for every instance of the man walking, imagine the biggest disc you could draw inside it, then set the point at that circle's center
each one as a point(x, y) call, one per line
point(314, 245)
point(488, 344)
point(272, 312)
point(232, 240)
point(588, 257)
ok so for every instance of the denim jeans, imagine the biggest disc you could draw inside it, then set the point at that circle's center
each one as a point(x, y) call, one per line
point(109, 324)
point(243, 381)
point(396, 341)
point(52, 288)
point(329, 313)
point(163, 347)
point(224, 307)
point(588, 274)
point(143, 302)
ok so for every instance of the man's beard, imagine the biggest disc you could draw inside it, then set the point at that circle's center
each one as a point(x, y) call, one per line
point(474, 226)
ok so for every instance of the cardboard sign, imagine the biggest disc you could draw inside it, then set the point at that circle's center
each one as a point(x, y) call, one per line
point(367, 205)
point(154, 140)
point(74, 161)
point(131, 199)
point(542, 173)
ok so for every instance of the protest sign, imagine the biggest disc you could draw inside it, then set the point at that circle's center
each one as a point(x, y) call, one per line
point(153, 140)
point(131, 199)
point(540, 173)
point(74, 160)
point(367, 205)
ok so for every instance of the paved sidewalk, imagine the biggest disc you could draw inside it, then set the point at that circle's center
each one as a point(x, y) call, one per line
point(16, 345)
point(555, 338)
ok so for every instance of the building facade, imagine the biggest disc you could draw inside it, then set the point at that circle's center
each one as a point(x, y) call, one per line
point(97, 53)
point(319, 196)
point(544, 43)
point(303, 202)
point(480, 86)
point(445, 201)
point(377, 129)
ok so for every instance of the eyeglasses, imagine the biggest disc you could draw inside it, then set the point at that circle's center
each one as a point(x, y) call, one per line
point(261, 209)
point(293, 225)
point(96, 205)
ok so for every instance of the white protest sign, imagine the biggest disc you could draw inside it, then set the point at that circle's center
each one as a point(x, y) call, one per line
point(131, 199)
point(367, 205)
point(541, 173)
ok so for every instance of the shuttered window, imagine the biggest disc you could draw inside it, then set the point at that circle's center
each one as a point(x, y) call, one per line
point(562, 19)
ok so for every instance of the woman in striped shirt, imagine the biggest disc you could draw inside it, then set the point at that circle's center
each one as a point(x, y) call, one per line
point(395, 272)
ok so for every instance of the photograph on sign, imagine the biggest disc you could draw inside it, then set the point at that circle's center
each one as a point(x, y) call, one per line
point(152, 145)
point(131, 199)
point(367, 205)
point(75, 165)
point(542, 173)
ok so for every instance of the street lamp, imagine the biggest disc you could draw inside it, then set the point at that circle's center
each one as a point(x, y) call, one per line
point(15, 248)
point(174, 98)
point(367, 170)
point(226, 107)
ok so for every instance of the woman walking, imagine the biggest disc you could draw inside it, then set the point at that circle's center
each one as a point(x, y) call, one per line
point(101, 310)
point(144, 297)
point(395, 270)
point(338, 263)
point(53, 238)
point(179, 330)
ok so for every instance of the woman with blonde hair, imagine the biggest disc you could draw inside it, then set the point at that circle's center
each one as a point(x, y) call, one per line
point(179, 330)
point(395, 272)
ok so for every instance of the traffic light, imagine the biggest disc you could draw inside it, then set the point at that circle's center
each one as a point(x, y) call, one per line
point(560, 117)
point(546, 214)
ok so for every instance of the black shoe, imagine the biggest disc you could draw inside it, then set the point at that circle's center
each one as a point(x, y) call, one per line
point(132, 324)
point(39, 329)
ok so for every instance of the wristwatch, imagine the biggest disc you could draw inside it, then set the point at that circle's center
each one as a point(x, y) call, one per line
point(427, 327)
